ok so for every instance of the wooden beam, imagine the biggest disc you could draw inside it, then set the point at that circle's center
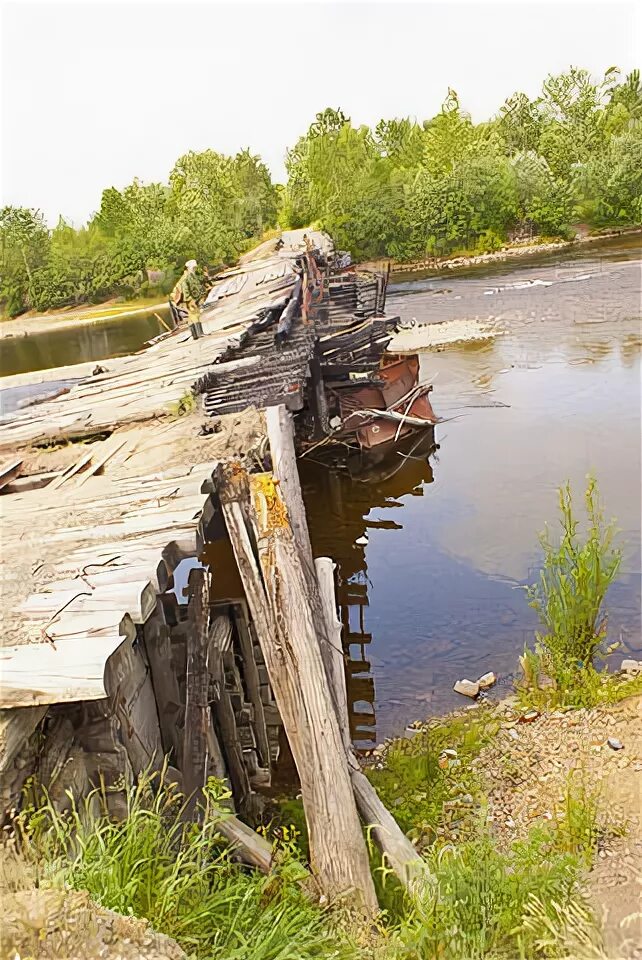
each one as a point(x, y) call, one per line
point(158, 646)
point(280, 429)
point(197, 715)
point(279, 602)
point(409, 867)
point(251, 673)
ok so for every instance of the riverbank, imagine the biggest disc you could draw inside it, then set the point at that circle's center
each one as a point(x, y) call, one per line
point(497, 773)
point(29, 324)
point(531, 828)
point(516, 251)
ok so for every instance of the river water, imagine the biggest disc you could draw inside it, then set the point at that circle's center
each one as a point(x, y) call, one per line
point(434, 549)
point(434, 556)
point(78, 343)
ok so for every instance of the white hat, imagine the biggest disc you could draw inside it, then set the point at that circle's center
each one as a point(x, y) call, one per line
point(191, 264)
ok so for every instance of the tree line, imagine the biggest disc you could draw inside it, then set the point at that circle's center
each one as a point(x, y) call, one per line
point(404, 190)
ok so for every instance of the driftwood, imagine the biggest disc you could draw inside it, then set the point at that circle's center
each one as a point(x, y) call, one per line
point(283, 620)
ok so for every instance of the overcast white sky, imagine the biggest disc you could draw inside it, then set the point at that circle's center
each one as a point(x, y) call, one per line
point(95, 94)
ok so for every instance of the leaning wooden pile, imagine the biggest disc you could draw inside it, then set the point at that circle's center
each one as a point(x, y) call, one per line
point(292, 603)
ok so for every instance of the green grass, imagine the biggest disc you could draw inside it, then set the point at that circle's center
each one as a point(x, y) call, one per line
point(482, 900)
point(414, 787)
point(586, 688)
point(502, 904)
point(181, 877)
point(184, 406)
point(486, 902)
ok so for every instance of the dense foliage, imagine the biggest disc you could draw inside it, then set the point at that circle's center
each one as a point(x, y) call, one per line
point(407, 189)
point(403, 189)
point(140, 238)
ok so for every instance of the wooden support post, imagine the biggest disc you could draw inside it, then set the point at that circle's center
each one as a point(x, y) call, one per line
point(280, 428)
point(282, 614)
point(253, 682)
point(158, 647)
point(197, 713)
point(334, 661)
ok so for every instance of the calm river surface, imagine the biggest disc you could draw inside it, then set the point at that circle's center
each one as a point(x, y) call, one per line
point(435, 593)
point(94, 341)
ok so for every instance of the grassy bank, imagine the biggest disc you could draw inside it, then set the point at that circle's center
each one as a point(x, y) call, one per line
point(488, 254)
point(493, 896)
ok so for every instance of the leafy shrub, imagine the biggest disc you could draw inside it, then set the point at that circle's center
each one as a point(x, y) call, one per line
point(569, 596)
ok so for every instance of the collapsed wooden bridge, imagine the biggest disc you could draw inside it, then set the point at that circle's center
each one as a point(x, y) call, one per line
point(109, 665)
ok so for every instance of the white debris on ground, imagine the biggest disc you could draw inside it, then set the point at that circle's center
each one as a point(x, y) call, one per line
point(429, 335)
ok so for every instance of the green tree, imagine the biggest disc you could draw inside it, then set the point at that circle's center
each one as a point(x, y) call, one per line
point(24, 242)
point(612, 182)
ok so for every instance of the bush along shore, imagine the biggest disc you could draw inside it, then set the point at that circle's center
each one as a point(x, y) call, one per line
point(525, 810)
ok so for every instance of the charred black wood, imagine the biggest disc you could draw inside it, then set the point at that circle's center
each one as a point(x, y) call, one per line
point(289, 314)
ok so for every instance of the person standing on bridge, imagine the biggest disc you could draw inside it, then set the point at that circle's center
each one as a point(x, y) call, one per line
point(186, 294)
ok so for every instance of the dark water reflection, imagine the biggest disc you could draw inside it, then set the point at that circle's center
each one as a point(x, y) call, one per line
point(78, 344)
point(436, 592)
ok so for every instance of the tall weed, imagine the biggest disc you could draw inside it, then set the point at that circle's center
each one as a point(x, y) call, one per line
point(569, 598)
point(180, 876)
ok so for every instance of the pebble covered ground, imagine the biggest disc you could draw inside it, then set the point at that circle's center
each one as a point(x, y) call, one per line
point(525, 770)
point(43, 924)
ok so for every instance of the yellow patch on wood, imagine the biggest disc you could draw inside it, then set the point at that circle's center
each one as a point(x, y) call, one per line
point(268, 504)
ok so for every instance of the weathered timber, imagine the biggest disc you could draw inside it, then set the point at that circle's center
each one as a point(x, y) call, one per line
point(249, 845)
point(158, 646)
point(283, 619)
point(334, 662)
point(253, 682)
point(131, 696)
point(197, 718)
point(9, 472)
point(280, 430)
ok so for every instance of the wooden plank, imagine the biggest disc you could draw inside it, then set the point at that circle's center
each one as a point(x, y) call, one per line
point(251, 674)
point(197, 716)
point(409, 867)
point(9, 472)
point(72, 669)
point(16, 726)
point(334, 663)
point(158, 646)
point(112, 449)
point(71, 471)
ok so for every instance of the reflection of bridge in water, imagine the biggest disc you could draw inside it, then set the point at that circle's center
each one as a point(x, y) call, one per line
point(339, 505)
